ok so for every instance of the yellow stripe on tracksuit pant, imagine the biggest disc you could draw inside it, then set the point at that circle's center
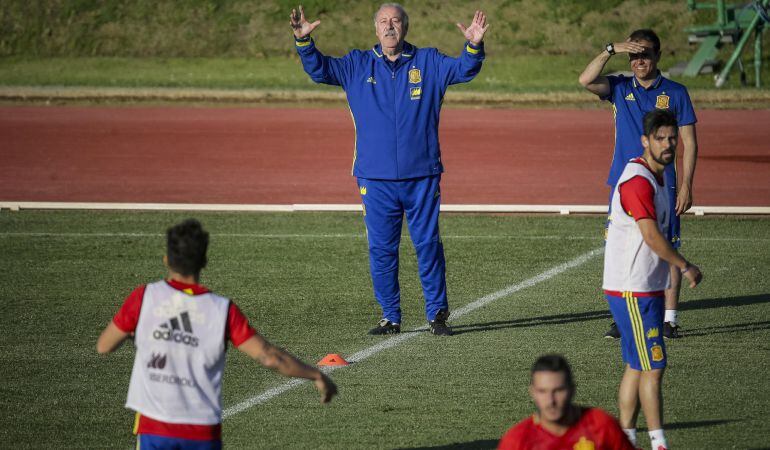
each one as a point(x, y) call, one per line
point(638, 328)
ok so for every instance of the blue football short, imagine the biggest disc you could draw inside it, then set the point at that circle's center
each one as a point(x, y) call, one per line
point(640, 322)
point(155, 442)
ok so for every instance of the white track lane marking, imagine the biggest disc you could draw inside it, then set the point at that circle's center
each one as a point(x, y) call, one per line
point(401, 338)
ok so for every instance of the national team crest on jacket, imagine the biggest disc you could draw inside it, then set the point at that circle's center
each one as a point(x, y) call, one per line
point(662, 101)
point(415, 76)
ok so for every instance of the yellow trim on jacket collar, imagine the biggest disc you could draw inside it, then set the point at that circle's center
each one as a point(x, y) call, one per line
point(407, 46)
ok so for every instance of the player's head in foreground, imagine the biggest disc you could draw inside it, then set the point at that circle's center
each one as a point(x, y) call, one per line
point(551, 388)
point(391, 24)
point(645, 64)
point(186, 246)
point(661, 135)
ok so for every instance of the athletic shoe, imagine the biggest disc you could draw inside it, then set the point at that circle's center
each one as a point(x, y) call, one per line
point(438, 325)
point(385, 326)
point(613, 332)
point(671, 331)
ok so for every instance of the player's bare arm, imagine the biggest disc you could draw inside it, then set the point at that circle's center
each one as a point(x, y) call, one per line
point(689, 159)
point(474, 33)
point(110, 339)
point(592, 78)
point(272, 357)
point(655, 240)
point(302, 28)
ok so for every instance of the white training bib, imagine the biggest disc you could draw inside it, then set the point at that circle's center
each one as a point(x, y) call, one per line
point(629, 263)
point(180, 356)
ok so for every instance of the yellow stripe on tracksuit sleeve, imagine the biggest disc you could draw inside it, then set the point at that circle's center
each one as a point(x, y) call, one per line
point(355, 141)
point(638, 329)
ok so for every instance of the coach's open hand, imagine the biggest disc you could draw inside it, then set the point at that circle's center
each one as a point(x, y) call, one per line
point(475, 32)
point(302, 28)
point(629, 47)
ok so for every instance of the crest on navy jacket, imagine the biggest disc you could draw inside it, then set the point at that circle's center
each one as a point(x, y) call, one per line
point(415, 76)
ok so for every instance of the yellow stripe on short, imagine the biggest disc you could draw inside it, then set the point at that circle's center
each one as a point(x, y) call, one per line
point(642, 339)
point(637, 327)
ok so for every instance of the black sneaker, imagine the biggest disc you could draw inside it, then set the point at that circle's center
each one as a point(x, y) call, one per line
point(438, 325)
point(613, 332)
point(385, 326)
point(671, 330)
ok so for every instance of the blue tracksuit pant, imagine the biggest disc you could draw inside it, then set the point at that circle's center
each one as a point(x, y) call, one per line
point(385, 203)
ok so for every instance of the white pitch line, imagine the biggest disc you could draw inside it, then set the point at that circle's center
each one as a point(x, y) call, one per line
point(401, 338)
point(354, 207)
point(405, 237)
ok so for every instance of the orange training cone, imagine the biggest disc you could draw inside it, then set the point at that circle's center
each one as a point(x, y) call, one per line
point(333, 359)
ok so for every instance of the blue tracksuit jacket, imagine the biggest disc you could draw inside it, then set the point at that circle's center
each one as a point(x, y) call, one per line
point(395, 106)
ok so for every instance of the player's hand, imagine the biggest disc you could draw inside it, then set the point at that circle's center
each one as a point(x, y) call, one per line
point(302, 28)
point(629, 47)
point(693, 274)
point(683, 200)
point(475, 32)
point(326, 387)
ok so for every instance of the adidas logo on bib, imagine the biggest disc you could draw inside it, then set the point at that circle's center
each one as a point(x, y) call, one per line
point(172, 331)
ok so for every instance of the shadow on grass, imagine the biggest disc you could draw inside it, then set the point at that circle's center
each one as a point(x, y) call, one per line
point(693, 424)
point(477, 444)
point(708, 303)
point(557, 319)
point(733, 328)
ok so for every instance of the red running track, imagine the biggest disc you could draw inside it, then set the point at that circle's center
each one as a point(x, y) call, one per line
point(284, 156)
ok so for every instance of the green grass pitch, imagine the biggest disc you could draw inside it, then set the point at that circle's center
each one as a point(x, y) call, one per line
point(303, 280)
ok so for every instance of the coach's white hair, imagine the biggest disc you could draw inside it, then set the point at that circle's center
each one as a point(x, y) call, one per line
point(404, 15)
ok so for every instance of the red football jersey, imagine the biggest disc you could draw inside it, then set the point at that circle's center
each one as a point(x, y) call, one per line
point(595, 430)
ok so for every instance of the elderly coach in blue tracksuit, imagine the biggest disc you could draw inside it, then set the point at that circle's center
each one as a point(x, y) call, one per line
point(395, 91)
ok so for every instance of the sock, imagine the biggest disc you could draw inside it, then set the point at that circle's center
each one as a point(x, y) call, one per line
point(657, 439)
point(670, 316)
point(631, 433)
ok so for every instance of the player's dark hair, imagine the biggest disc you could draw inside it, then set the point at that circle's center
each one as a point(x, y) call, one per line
point(647, 35)
point(656, 119)
point(186, 247)
point(553, 363)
